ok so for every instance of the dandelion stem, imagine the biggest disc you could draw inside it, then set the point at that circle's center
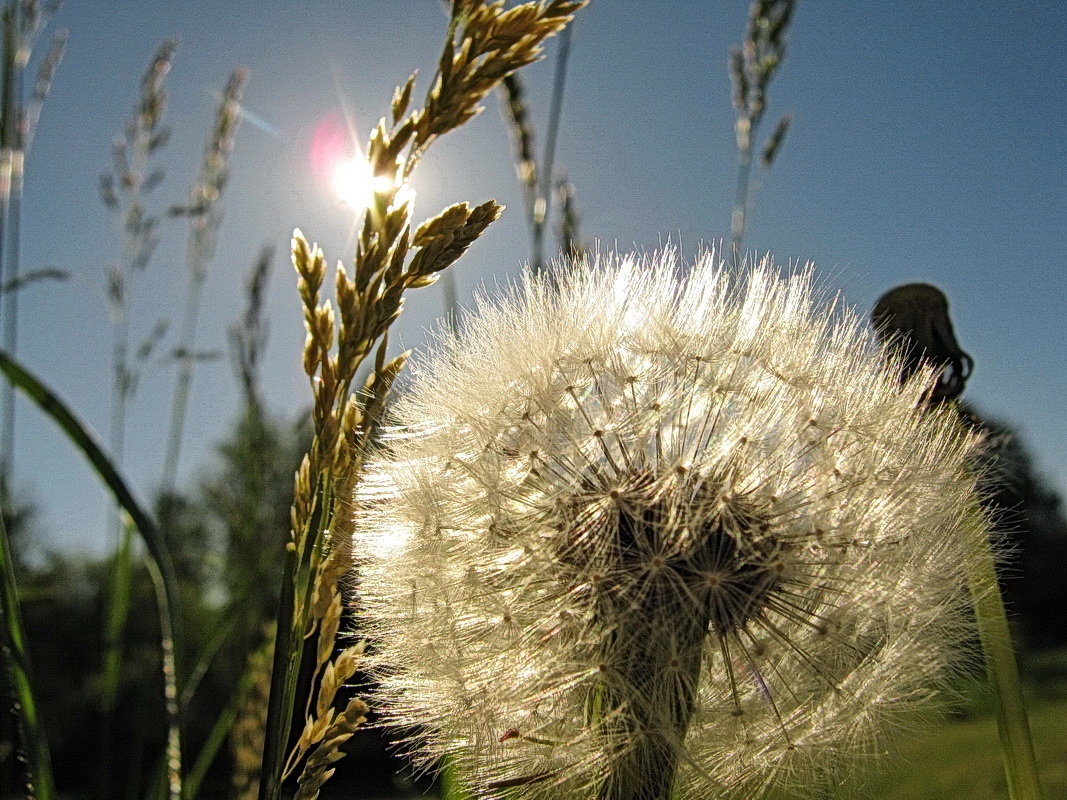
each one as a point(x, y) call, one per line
point(1020, 766)
point(645, 769)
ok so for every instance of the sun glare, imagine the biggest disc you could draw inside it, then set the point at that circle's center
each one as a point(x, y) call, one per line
point(355, 183)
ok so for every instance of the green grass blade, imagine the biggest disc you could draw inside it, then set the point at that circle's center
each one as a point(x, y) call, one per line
point(159, 563)
point(40, 785)
point(223, 629)
point(204, 759)
point(288, 650)
point(118, 611)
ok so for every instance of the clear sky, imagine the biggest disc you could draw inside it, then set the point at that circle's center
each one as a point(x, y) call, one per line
point(928, 144)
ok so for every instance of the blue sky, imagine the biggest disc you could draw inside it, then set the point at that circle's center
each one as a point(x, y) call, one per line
point(927, 145)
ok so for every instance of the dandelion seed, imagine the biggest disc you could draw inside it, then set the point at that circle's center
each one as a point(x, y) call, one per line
point(730, 547)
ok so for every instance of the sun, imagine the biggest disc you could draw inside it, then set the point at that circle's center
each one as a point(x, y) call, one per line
point(355, 182)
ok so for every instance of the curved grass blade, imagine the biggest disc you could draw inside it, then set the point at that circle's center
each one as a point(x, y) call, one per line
point(39, 782)
point(160, 565)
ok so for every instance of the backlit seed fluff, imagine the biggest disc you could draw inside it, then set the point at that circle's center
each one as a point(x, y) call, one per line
point(643, 537)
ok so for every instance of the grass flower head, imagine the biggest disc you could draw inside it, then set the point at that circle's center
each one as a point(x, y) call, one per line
point(642, 537)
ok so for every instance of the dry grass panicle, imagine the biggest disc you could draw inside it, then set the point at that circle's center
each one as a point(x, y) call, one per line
point(485, 44)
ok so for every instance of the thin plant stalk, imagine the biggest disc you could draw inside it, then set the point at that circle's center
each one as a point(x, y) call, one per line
point(543, 203)
point(9, 112)
point(21, 22)
point(125, 192)
point(183, 386)
point(118, 610)
point(518, 118)
point(288, 653)
point(11, 311)
point(159, 563)
point(10, 244)
point(1020, 765)
point(217, 736)
point(451, 299)
point(33, 742)
point(204, 218)
point(752, 66)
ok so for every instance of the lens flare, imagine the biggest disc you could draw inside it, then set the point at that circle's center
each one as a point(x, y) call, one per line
point(355, 183)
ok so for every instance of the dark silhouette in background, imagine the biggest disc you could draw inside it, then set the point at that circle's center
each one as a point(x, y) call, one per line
point(912, 321)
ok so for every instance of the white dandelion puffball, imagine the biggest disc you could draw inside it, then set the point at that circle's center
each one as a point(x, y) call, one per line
point(643, 537)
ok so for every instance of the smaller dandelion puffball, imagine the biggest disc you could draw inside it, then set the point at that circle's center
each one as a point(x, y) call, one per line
point(643, 537)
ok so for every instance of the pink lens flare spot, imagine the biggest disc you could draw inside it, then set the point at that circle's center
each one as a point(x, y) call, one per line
point(331, 146)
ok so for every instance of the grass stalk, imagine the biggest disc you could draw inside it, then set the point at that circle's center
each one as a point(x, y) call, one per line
point(1020, 765)
point(10, 245)
point(543, 202)
point(752, 66)
point(204, 217)
point(484, 43)
point(118, 608)
point(34, 744)
point(9, 113)
point(282, 698)
point(21, 24)
point(125, 193)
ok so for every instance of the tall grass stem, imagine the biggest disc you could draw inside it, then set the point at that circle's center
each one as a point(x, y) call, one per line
point(9, 112)
point(184, 381)
point(1020, 765)
point(282, 686)
point(543, 203)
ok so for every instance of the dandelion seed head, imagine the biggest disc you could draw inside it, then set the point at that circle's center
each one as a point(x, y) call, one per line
point(643, 534)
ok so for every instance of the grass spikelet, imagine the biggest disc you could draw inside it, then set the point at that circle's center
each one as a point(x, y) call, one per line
point(247, 734)
point(752, 67)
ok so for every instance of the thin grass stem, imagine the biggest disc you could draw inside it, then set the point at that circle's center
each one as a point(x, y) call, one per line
point(118, 609)
point(184, 382)
point(9, 112)
point(543, 203)
point(204, 217)
point(283, 684)
point(1020, 765)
